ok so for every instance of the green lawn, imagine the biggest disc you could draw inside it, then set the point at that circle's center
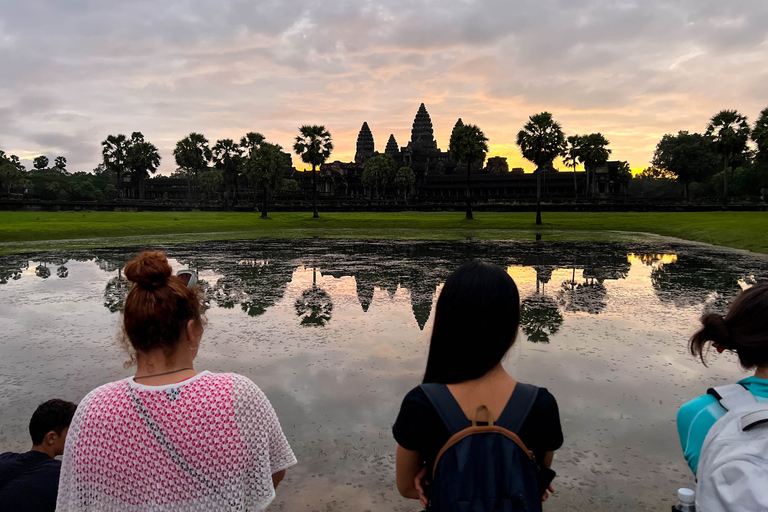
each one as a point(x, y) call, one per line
point(25, 231)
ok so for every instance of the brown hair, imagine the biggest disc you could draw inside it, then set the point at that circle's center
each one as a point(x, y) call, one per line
point(159, 305)
point(744, 329)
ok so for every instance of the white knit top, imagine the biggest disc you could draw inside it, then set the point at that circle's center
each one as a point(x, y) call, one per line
point(208, 443)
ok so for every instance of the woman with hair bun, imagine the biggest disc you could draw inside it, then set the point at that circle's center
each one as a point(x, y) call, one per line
point(743, 330)
point(171, 438)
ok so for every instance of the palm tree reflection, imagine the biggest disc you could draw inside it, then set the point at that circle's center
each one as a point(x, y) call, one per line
point(540, 318)
point(315, 305)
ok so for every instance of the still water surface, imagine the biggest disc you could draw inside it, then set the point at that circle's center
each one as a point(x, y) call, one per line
point(336, 332)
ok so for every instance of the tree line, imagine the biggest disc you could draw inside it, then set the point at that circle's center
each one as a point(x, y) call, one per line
point(729, 157)
point(719, 162)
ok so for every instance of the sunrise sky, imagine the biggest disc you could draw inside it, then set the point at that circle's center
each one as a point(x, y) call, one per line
point(74, 71)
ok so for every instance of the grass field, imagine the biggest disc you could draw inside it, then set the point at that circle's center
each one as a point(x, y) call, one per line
point(28, 231)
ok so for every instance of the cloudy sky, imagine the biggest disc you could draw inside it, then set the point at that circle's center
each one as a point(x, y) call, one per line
point(74, 71)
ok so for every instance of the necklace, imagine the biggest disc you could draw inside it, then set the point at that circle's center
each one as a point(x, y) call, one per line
point(159, 374)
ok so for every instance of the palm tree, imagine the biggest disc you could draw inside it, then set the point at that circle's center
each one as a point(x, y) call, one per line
point(228, 158)
point(113, 151)
point(468, 144)
point(314, 145)
point(571, 158)
point(192, 154)
point(593, 153)
point(541, 141)
point(142, 158)
point(730, 132)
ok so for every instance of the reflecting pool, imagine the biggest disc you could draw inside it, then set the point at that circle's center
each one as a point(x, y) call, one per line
point(336, 333)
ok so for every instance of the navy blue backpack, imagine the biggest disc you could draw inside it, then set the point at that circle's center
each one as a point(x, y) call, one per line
point(484, 468)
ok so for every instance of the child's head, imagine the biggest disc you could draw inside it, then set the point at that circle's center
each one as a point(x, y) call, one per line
point(744, 329)
point(476, 322)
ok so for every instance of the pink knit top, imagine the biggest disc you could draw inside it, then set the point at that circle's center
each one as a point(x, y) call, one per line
point(211, 442)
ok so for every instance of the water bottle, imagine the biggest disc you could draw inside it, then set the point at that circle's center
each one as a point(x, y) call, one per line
point(686, 501)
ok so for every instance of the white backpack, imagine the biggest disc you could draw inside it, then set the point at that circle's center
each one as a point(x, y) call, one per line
point(733, 466)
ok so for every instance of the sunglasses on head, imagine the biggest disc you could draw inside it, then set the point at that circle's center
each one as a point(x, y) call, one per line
point(188, 276)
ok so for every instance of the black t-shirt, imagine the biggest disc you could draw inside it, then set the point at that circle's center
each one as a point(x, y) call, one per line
point(419, 427)
point(28, 481)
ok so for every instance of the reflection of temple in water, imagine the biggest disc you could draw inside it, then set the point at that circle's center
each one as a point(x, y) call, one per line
point(253, 276)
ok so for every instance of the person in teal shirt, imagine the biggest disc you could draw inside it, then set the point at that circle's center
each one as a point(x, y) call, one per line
point(743, 330)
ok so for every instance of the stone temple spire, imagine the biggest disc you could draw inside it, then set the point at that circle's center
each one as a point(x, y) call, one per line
point(365, 144)
point(392, 147)
point(458, 125)
point(422, 136)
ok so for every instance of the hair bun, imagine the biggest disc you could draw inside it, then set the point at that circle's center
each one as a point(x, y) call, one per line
point(148, 269)
point(715, 329)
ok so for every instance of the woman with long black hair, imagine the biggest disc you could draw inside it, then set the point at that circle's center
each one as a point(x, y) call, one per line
point(476, 323)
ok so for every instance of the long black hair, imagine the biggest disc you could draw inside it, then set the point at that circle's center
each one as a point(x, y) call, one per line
point(476, 322)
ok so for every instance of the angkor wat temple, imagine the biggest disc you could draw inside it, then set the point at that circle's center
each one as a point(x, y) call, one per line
point(440, 177)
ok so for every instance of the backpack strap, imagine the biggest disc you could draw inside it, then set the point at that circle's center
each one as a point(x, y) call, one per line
point(520, 403)
point(446, 406)
point(733, 396)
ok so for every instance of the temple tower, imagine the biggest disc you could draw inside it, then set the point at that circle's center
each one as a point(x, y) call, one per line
point(365, 144)
point(422, 135)
point(392, 148)
point(458, 125)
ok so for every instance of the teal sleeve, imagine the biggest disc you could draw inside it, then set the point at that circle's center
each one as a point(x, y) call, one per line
point(693, 423)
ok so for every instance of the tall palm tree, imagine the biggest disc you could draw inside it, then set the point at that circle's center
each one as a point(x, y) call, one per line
point(142, 158)
point(468, 144)
point(314, 145)
point(541, 141)
point(571, 158)
point(593, 153)
point(730, 133)
point(192, 154)
point(228, 158)
point(113, 151)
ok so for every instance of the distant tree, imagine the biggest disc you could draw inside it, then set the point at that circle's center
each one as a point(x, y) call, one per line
point(211, 181)
point(60, 164)
point(265, 168)
point(114, 151)
point(593, 153)
point(289, 185)
point(624, 172)
point(193, 155)
point(378, 171)
point(228, 159)
point(142, 158)
point(571, 157)
point(251, 142)
point(730, 133)
point(541, 141)
point(760, 136)
point(314, 145)
point(686, 156)
point(405, 178)
point(40, 163)
point(11, 177)
point(468, 144)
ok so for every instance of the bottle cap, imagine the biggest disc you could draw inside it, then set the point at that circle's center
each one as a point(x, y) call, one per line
point(687, 496)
